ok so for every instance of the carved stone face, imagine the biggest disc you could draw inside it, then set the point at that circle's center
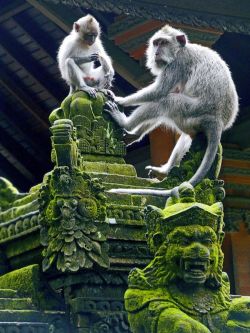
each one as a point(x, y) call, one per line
point(193, 253)
point(88, 208)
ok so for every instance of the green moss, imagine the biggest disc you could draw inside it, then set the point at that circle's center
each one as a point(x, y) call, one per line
point(28, 282)
point(22, 245)
point(25, 281)
point(66, 106)
point(8, 193)
point(55, 115)
point(102, 158)
point(109, 168)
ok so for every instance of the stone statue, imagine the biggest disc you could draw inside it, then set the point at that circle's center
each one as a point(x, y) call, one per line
point(183, 289)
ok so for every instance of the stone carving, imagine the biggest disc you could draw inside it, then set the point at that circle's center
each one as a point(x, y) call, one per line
point(72, 204)
point(116, 322)
point(8, 194)
point(21, 225)
point(183, 289)
point(72, 218)
point(96, 134)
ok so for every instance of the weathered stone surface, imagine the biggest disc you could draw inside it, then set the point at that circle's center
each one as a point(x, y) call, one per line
point(91, 238)
point(183, 289)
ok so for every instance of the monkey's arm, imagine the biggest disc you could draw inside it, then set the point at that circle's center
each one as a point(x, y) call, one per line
point(147, 94)
point(83, 60)
point(105, 72)
point(162, 86)
point(75, 75)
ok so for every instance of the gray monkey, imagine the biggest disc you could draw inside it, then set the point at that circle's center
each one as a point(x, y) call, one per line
point(77, 54)
point(193, 92)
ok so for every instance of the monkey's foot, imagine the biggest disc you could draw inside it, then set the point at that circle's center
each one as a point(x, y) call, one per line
point(164, 169)
point(90, 91)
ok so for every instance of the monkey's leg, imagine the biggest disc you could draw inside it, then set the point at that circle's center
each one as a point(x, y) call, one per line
point(138, 134)
point(104, 75)
point(75, 76)
point(179, 151)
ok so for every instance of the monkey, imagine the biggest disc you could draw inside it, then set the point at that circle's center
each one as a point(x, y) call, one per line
point(193, 92)
point(77, 55)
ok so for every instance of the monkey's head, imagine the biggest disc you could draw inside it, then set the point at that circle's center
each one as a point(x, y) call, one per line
point(163, 47)
point(87, 28)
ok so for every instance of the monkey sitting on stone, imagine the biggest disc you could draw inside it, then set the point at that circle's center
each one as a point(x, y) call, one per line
point(193, 92)
point(77, 55)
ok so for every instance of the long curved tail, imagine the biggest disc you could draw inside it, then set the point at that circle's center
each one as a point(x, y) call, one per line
point(201, 172)
point(208, 159)
point(159, 193)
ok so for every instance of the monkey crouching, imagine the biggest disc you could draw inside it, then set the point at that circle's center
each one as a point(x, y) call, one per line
point(77, 56)
point(193, 92)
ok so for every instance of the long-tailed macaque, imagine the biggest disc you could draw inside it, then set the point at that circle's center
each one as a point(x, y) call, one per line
point(193, 92)
point(77, 55)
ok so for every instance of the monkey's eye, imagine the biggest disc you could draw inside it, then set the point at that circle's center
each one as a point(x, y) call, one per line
point(160, 42)
point(90, 35)
point(156, 42)
point(164, 42)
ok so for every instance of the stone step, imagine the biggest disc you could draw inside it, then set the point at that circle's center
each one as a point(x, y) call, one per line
point(16, 304)
point(8, 293)
point(29, 316)
point(24, 327)
point(135, 200)
point(123, 179)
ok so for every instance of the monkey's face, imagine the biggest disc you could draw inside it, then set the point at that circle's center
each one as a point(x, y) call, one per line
point(90, 37)
point(87, 29)
point(166, 48)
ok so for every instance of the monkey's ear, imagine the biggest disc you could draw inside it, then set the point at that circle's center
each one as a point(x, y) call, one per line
point(76, 27)
point(181, 39)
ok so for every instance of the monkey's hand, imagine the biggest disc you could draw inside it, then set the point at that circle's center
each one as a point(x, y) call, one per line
point(94, 57)
point(91, 91)
point(115, 113)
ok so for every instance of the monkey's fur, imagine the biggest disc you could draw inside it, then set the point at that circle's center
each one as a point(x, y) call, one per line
point(77, 54)
point(193, 92)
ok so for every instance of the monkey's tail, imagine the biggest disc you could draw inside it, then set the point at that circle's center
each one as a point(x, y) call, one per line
point(201, 172)
point(159, 193)
point(208, 159)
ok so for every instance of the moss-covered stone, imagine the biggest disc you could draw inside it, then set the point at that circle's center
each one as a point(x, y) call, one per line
point(183, 289)
point(72, 216)
point(96, 133)
point(8, 194)
point(28, 282)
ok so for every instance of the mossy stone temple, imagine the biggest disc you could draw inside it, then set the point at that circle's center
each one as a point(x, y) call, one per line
point(68, 245)
point(77, 258)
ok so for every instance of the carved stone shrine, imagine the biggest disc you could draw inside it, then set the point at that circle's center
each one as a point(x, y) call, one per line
point(68, 245)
